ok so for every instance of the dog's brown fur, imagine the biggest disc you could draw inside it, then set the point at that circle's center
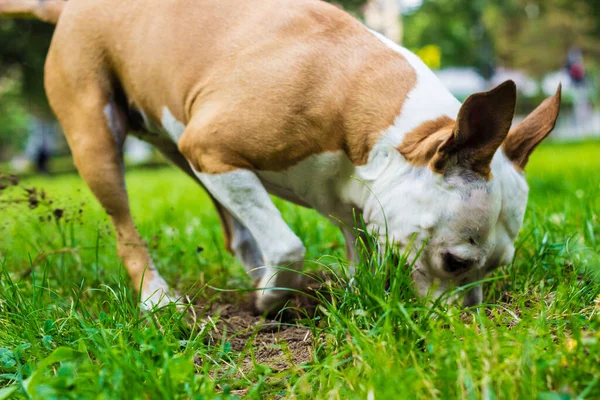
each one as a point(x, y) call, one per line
point(252, 94)
point(422, 145)
point(240, 85)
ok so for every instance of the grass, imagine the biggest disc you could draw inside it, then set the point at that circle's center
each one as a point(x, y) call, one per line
point(70, 326)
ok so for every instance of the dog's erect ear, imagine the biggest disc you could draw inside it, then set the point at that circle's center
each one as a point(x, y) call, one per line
point(522, 140)
point(482, 125)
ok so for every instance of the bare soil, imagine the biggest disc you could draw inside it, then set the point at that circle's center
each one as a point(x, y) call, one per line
point(278, 344)
point(280, 340)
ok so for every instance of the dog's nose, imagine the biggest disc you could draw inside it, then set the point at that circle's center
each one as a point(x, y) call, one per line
point(453, 264)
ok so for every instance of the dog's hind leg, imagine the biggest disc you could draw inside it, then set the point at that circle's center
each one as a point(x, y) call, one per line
point(95, 128)
point(241, 243)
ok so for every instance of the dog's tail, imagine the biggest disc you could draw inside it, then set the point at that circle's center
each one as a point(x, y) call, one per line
point(44, 10)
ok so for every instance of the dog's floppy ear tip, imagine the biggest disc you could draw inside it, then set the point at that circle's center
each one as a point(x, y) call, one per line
point(557, 97)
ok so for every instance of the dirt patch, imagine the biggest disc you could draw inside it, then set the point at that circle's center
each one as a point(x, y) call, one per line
point(280, 342)
point(9, 180)
point(280, 345)
point(30, 195)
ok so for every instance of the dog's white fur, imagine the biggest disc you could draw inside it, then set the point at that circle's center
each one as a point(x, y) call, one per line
point(428, 100)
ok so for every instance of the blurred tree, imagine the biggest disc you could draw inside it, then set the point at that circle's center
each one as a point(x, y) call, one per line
point(536, 36)
point(23, 48)
point(456, 27)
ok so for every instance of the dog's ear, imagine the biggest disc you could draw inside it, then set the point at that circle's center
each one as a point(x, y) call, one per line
point(482, 125)
point(523, 139)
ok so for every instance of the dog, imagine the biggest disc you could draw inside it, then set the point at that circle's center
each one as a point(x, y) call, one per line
point(297, 99)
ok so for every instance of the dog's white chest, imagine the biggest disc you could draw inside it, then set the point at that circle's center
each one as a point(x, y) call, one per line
point(314, 182)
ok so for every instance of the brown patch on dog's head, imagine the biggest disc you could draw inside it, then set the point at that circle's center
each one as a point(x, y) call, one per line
point(523, 139)
point(471, 142)
point(420, 145)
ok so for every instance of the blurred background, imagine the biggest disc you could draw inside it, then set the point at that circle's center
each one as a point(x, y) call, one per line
point(471, 45)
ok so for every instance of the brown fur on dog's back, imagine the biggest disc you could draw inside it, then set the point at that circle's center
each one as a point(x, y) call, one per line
point(307, 75)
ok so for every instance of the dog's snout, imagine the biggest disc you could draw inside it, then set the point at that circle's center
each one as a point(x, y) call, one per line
point(453, 264)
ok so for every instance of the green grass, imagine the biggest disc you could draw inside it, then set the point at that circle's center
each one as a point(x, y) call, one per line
point(70, 326)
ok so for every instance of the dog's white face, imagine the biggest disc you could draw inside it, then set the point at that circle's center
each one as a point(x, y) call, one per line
point(463, 209)
point(466, 226)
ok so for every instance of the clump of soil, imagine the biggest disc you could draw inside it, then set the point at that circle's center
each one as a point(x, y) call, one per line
point(32, 196)
point(35, 199)
point(9, 180)
point(276, 344)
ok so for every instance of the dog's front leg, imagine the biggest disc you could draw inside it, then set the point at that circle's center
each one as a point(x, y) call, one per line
point(242, 193)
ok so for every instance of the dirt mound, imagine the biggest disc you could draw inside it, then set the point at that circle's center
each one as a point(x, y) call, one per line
point(278, 344)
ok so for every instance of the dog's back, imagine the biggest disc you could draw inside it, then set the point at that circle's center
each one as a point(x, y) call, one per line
point(272, 67)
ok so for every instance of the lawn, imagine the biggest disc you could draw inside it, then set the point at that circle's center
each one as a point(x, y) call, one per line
point(70, 326)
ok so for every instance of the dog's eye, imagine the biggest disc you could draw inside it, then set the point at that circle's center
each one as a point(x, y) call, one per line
point(454, 264)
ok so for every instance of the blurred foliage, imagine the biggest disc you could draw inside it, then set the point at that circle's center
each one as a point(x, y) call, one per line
point(456, 27)
point(536, 36)
point(533, 36)
point(13, 116)
point(23, 49)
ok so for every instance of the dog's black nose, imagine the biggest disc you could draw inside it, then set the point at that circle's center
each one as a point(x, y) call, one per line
point(454, 264)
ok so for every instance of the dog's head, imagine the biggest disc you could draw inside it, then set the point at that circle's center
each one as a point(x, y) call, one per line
point(456, 189)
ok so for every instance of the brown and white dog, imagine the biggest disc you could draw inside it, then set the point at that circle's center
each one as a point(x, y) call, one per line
point(298, 99)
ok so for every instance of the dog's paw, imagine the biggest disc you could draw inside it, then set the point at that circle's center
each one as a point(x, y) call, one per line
point(157, 294)
point(268, 298)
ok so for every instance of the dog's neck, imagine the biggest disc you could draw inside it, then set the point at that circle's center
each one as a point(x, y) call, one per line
point(428, 100)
